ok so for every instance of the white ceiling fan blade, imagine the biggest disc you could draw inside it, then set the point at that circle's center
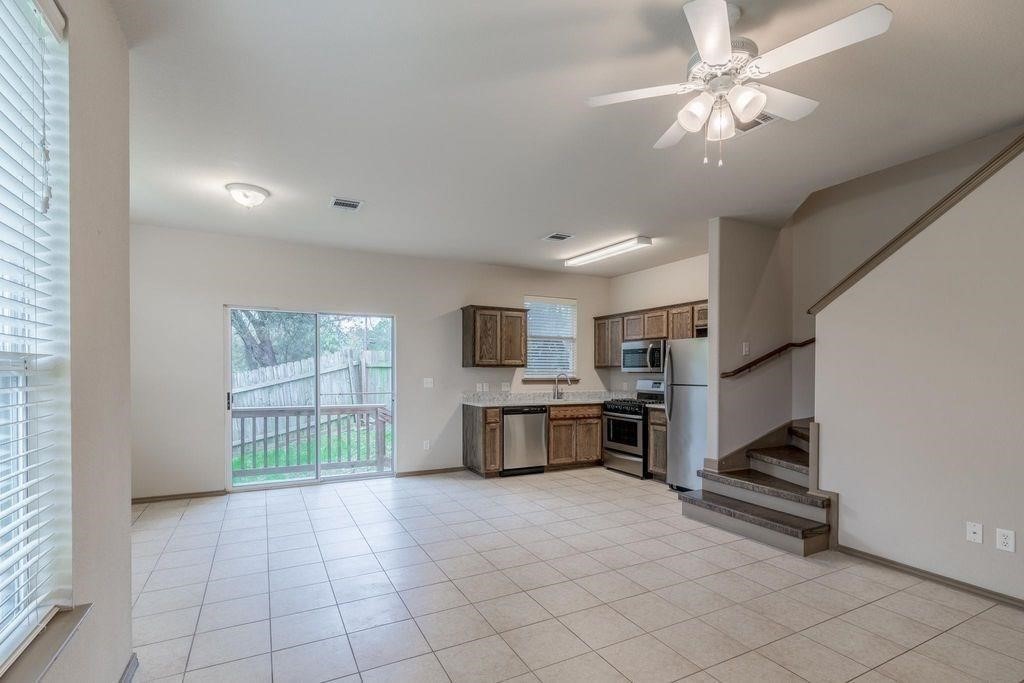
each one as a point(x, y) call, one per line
point(641, 94)
point(709, 23)
point(785, 104)
point(671, 137)
point(867, 23)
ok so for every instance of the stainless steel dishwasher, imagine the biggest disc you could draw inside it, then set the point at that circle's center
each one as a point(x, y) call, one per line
point(525, 439)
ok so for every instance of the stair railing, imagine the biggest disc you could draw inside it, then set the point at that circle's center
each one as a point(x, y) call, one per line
point(774, 353)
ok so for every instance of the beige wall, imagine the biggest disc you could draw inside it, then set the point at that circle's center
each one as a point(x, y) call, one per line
point(181, 282)
point(838, 228)
point(672, 283)
point(919, 394)
point(101, 464)
point(749, 302)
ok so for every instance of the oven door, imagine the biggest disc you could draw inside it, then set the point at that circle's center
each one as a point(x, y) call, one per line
point(643, 356)
point(624, 433)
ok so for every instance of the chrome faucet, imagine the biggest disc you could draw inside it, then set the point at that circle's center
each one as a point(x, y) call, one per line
point(555, 393)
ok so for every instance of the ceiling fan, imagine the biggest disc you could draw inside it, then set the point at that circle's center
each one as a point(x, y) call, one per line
point(723, 71)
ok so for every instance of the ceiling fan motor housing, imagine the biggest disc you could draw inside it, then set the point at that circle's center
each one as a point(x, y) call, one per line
point(743, 50)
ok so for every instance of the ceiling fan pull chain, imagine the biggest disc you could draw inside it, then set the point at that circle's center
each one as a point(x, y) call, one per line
point(706, 143)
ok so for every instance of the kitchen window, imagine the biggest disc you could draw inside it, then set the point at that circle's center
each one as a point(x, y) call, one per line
point(551, 337)
point(35, 458)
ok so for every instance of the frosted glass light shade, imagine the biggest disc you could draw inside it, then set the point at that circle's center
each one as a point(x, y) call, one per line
point(696, 112)
point(746, 102)
point(721, 125)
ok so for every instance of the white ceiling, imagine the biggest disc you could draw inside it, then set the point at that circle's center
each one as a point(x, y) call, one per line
point(462, 127)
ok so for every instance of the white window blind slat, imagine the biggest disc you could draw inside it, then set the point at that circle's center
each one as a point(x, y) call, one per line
point(551, 337)
point(34, 455)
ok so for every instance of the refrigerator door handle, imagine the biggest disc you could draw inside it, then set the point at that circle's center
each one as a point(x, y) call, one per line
point(668, 383)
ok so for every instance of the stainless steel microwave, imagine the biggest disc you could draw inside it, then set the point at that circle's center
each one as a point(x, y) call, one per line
point(643, 356)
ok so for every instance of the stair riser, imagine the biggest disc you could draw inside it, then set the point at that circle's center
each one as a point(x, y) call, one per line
point(781, 504)
point(780, 472)
point(805, 546)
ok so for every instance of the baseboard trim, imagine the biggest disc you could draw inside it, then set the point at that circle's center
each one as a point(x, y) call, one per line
point(129, 670)
point(932, 576)
point(177, 496)
point(423, 473)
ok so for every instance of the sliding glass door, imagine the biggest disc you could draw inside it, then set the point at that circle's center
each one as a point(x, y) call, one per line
point(311, 396)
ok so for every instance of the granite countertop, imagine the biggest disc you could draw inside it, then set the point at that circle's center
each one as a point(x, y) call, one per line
point(656, 406)
point(495, 399)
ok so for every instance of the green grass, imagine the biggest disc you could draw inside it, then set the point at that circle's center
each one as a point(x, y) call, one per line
point(301, 451)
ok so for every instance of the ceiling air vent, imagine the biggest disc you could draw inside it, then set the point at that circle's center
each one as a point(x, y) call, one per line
point(558, 237)
point(761, 120)
point(346, 204)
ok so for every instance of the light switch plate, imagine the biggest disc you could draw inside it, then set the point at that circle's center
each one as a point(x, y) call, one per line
point(746, 349)
point(975, 532)
point(428, 382)
point(1005, 540)
point(486, 386)
point(506, 386)
point(426, 445)
point(479, 387)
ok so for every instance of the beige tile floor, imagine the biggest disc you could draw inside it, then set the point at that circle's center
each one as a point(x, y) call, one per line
point(583, 575)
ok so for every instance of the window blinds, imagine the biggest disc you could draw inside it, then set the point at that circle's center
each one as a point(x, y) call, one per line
point(34, 455)
point(551, 336)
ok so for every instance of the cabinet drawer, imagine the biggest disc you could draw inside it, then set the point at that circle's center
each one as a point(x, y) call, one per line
point(492, 415)
point(573, 412)
point(656, 416)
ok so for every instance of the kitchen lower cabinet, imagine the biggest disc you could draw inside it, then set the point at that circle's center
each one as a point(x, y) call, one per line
point(657, 443)
point(574, 435)
point(482, 430)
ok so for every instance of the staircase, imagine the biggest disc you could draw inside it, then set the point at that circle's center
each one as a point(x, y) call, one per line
point(769, 500)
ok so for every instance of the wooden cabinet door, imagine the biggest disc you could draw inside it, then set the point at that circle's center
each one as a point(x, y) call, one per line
point(615, 343)
point(657, 449)
point(656, 325)
point(633, 327)
point(492, 447)
point(588, 440)
point(561, 442)
point(601, 344)
point(487, 337)
point(512, 347)
point(680, 322)
point(700, 315)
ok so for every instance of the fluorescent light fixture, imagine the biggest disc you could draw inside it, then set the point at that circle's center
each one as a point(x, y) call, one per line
point(249, 196)
point(608, 252)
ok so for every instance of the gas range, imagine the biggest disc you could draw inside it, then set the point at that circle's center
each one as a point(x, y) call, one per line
point(625, 428)
point(629, 406)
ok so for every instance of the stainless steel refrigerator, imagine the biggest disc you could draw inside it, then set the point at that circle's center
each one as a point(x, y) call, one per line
point(686, 406)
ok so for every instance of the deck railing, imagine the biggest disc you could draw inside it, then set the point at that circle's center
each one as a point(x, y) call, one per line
point(275, 444)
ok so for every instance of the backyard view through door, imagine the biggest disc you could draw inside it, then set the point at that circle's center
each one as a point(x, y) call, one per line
point(311, 396)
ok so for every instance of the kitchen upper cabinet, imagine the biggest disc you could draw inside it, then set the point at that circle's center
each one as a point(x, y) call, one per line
point(657, 443)
point(608, 343)
point(680, 322)
point(493, 337)
point(633, 327)
point(561, 442)
point(700, 315)
point(656, 324)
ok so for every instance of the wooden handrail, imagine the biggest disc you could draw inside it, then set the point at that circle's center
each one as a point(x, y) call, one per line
point(766, 357)
point(955, 196)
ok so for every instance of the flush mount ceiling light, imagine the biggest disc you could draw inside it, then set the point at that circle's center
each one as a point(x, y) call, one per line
point(249, 196)
point(609, 251)
point(724, 67)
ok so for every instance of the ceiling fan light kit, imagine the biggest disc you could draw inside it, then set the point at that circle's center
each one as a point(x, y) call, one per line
point(723, 68)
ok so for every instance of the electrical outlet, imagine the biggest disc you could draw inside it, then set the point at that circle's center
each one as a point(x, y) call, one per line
point(426, 445)
point(428, 382)
point(506, 386)
point(479, 387)
point(624, 386)
point(486, 387)
point(1005, 540)
point(975, 532)
point(746, 349)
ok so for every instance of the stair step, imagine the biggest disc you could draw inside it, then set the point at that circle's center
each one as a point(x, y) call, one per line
point(800, 432)
point(759, 482)
point(773, 520)
point(787, 457)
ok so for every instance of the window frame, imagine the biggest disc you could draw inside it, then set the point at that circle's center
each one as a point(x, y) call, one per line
point(574, 339)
